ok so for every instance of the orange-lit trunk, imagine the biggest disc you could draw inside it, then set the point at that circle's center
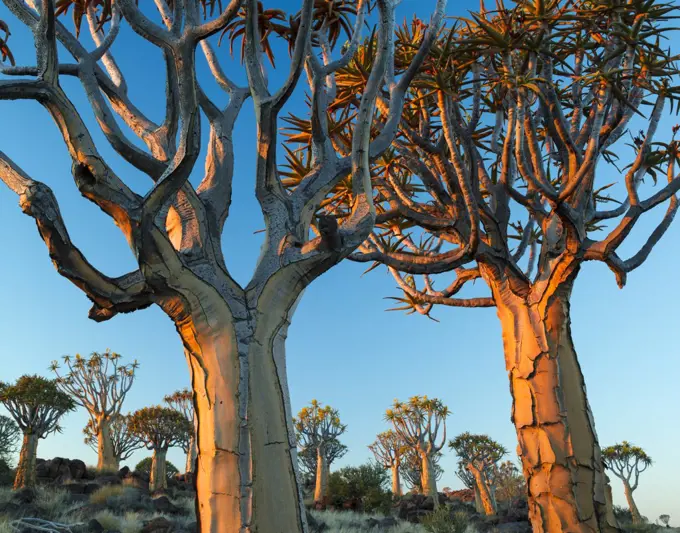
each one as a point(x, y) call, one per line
point(568, 489)
point(396, 480)
point(25, 476)
point(428, 479)
point(482, 494)
point(321, 488)
point(634, 512)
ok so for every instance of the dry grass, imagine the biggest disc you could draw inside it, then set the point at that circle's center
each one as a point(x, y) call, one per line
point(345, 522)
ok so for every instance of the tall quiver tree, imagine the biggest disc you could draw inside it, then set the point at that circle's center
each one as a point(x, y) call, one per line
point(480, 455)
point(98, 383)
point(234, 335)
point(123, 441)
point(308, 459)
point(627, 462)
point(183, 402)
point(420, 423)
point(388, 449)
point(159, 428)
point(317, 427)
point(36, 404)
point(412, 469)
point(503, 173)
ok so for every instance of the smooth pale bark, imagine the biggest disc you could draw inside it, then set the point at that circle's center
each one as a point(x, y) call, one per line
point(428, 480)
point(106, 459)
point(240, 384)
point(25, 476)
point(396, 480)
point(561, 458)
point(482, 494)
point(191, 455)
point(159, 471)
point(635, 513)
point(321, 488)
point(478, 500)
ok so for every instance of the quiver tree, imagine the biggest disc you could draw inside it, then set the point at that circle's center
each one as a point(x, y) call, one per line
point(420, 423)
point(511, 149)
point(412, 469)
point(36, 404)
point(665, 519)
point(627, 462)
point(123, 441)
point(308, 459)
point(98, 383)
point(388, 449)
point(479, 455)
point(9, 436)
point(182, 401)
point(234, 335)
point(159, 428)
point(509, 482)
point(316, 427)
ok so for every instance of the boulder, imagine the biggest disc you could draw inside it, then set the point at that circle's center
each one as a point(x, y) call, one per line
point(158, 525)
point(124, 472)
point(24, 496)
point(93, 526)
point(164, 505)
point(75, 488)
point(108, 480)
point(78, 469)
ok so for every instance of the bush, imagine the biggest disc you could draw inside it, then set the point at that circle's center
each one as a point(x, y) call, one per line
point(101, 496)
point(443, 521)
point(363, 487)
point(144, 468)
point(6, 473)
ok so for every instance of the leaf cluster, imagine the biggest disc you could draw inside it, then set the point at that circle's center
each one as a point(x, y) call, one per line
point(160, 428)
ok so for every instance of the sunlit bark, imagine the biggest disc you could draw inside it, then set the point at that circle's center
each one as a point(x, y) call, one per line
point(26, 475)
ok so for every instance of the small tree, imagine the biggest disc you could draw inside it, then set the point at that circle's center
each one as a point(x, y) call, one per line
point(412, 469)
point(479, 455)
point(665, 519)
point(627, 462)
point(159, 428)
point(418, 422)
point(317, 426)
point(361, 488)
point(308, 460)
point(123, 441)
point(98, 383)
point(9, 435)
point(183, 401)
point(144, 467)
point(509, 482)
point(36, 404)
point(388, 449)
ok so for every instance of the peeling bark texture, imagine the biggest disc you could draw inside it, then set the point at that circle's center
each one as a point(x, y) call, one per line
point(25, 476)
point(396, 480)
point(159, 470)
point(558, 445)
point(429, 480)
point(106, 459)
point(321, 488)
point(635, 513)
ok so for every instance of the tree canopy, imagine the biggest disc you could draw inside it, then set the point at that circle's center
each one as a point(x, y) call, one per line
point(160, 428)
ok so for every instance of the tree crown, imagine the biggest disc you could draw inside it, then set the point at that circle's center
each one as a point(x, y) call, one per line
point(418, 422)
point(388, 448)
point(318, 424)
point(123, 440)
point(160, 428)
point(480, 451)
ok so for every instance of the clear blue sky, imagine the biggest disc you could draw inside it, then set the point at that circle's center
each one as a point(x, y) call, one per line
point(627, 340)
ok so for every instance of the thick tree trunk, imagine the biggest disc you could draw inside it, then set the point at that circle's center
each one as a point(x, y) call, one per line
point(567, 485)
point(25, 476)
point(635, 513)
point(106, 460)
point(428, 480)
point(321, 488)
point(191, 454)
point(482, 494)
point(245, 476)
point(396, 480)
point(478, 500)
point(159, 470)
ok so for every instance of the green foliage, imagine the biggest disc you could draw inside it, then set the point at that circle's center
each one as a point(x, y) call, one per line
point(509, 482)
point(144, 468)
point(364, 485)
point(625, 453)
point(6, 473)
point(9, 436)
point(35, 403)
point(443, 521)
point(160, 428)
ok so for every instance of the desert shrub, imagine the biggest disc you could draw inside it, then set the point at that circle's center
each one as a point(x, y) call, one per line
point(52, 502)
point(339, 522)
point(102, 495)
point(108, 520)
point(444, 521)
point(144, 468)
point(130, 523)
point(6, 473)
point(364, 485)
point(5, 526)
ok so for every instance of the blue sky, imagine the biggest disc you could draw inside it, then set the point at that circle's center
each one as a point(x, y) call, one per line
point(343, 348)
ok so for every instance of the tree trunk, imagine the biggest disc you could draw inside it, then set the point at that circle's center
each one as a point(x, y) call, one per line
point(567, 485)
point(478, 499)
point(321, 489)
point(396, 481)
point(191, 455)
point(106, 460)
point(634, 512)
point(159, 470)
point(246, 480)
point(428, 480)
point(482, 494)
point(25, 476)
